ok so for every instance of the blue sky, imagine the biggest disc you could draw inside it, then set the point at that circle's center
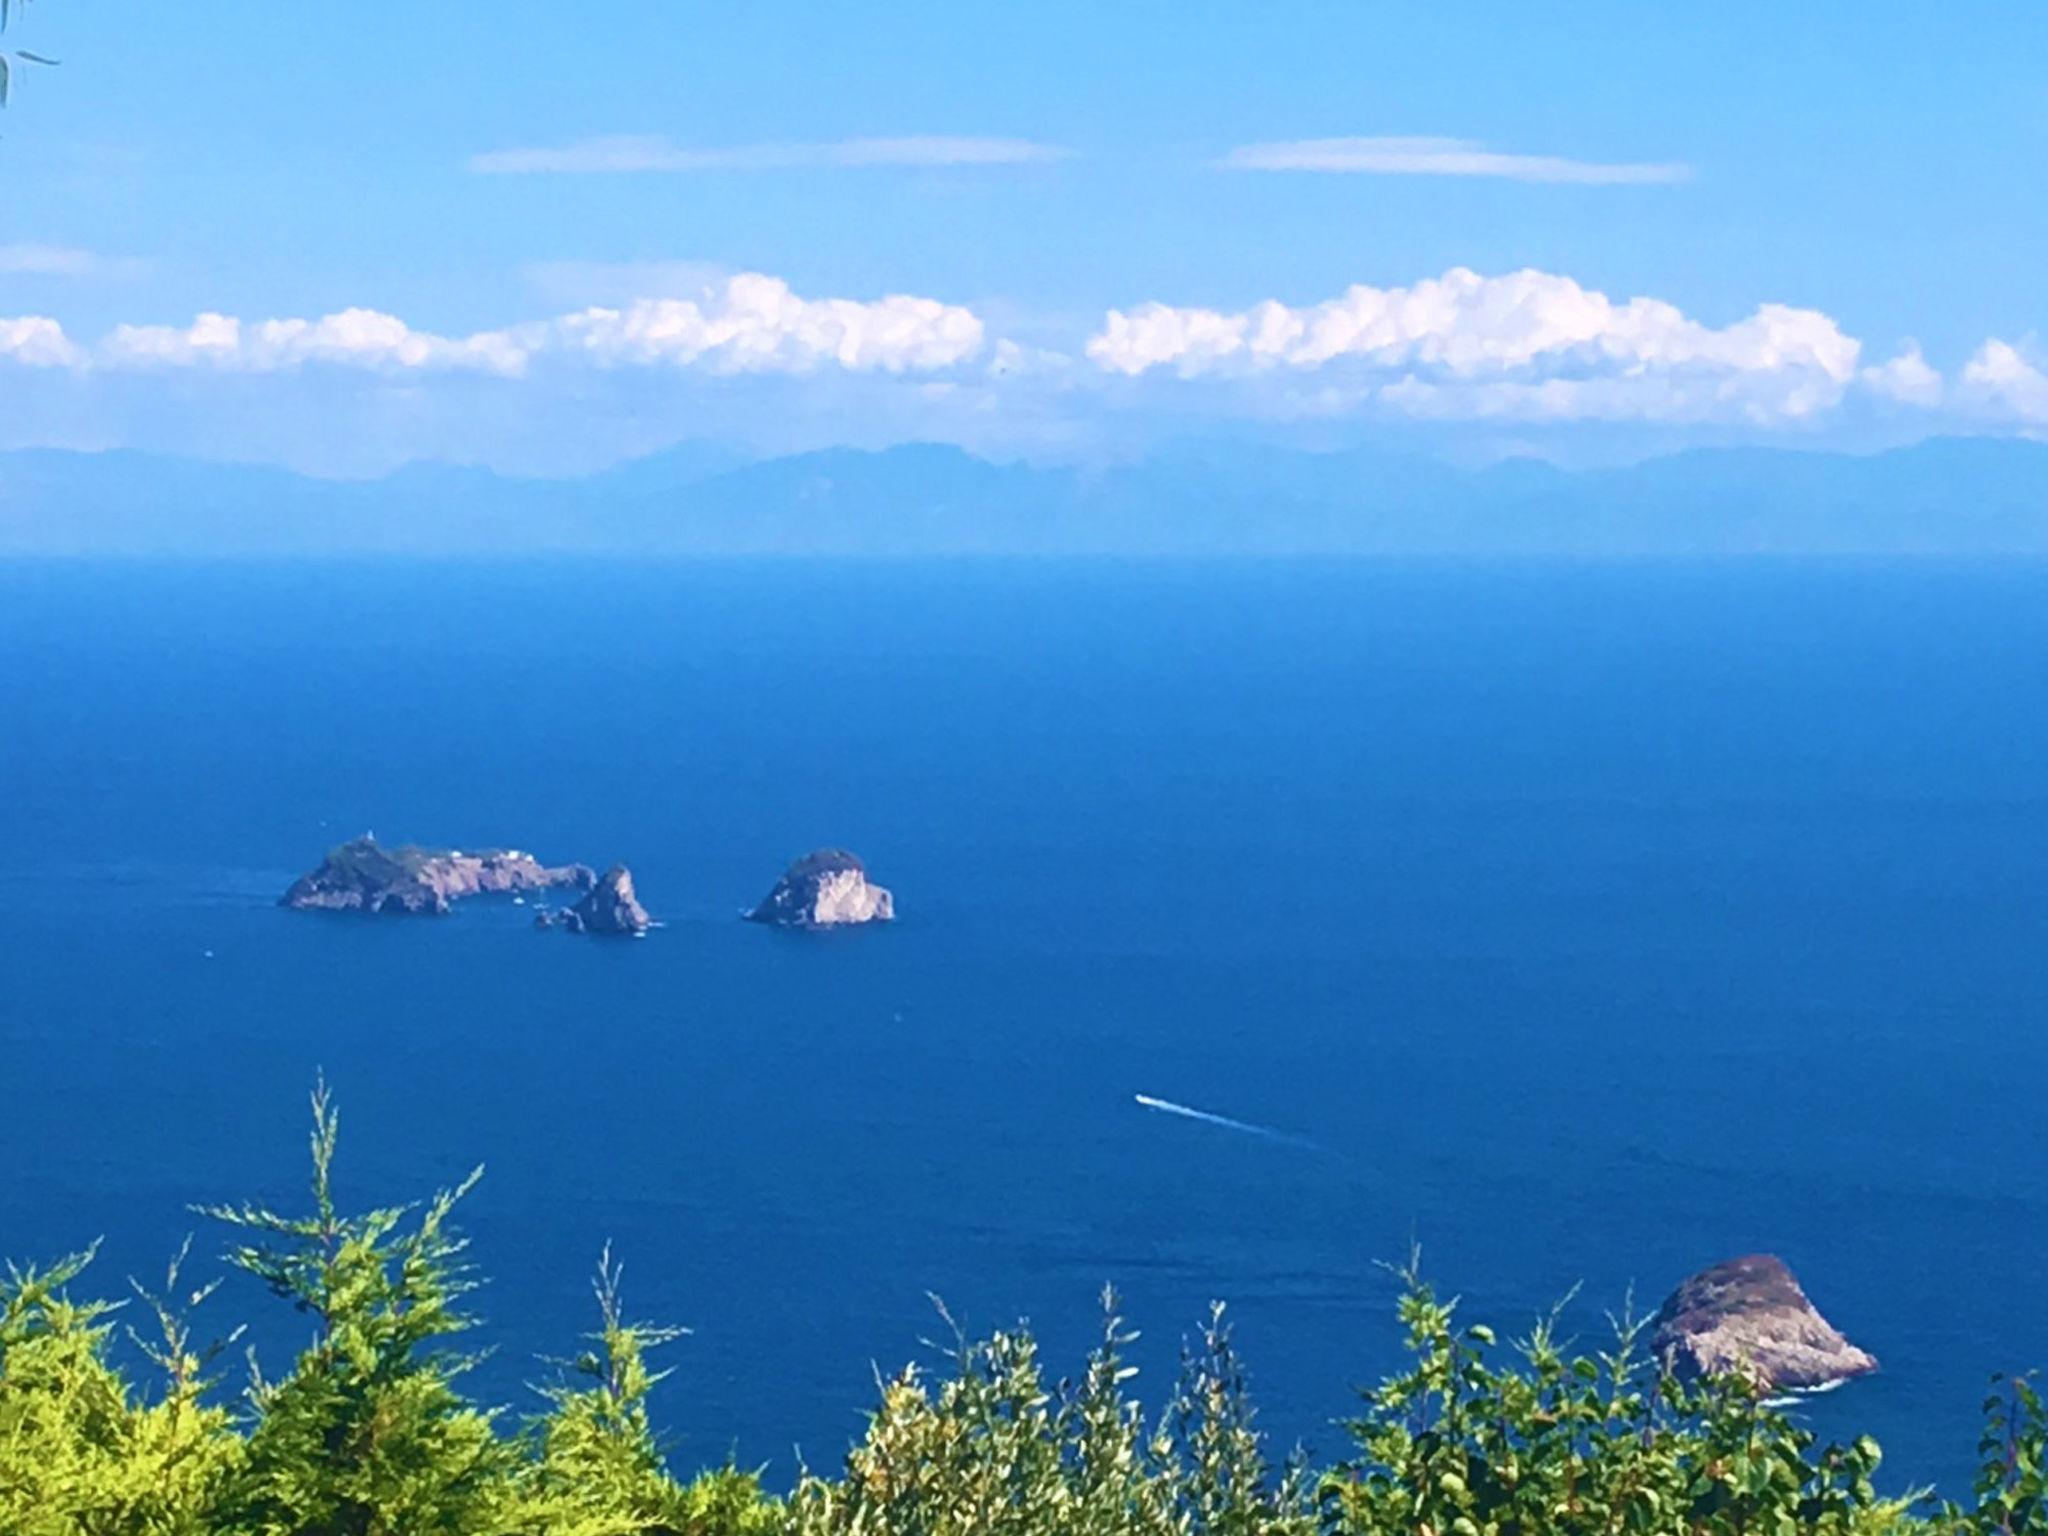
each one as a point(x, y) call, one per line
point(1056, 230)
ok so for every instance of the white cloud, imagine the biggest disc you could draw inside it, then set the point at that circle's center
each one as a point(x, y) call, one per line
point(26, 259)
point(34, 341)
point(1527, 343)
point(746, 323)
point(1439, 157)
point(1908, 379)
point(941, 150)
point(2007, 382)
point(756, 324)
point(1012, 359)
point(359, 338)
point(1527, 347)
point(645, 152)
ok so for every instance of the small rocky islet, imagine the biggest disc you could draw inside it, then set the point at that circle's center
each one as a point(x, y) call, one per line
point(1749, 1317)
point(828, 888)
point(825, 889)
point(610, 906)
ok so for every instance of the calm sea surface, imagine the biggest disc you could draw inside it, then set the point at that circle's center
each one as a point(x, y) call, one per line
point(1589, 925)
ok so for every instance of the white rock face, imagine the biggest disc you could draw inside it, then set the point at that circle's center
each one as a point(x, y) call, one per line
point(826, 889)
point(846, 897)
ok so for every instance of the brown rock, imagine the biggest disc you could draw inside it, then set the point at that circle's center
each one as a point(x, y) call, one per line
point(611, 907)
point(362, 876)
point(1749, 1317)
point(826, 889)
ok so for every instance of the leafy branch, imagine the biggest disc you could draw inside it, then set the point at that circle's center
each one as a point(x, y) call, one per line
point(9, 57)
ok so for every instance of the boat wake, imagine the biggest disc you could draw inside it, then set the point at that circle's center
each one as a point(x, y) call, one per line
point(1244, 1127)
point(1792, 1397)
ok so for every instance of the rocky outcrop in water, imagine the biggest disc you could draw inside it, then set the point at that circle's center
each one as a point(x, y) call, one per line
point(1749, 1317)
point(363, 876)
point(610, 907)
point(826, 889)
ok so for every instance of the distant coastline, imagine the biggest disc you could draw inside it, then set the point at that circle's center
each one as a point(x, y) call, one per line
point(1942, 497)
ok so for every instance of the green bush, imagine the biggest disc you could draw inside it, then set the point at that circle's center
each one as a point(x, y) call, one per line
point(369, 1433)
point(995, 1448)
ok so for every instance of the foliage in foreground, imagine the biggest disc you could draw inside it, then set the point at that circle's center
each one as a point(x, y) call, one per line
point(9, 9)
point(369, 1433)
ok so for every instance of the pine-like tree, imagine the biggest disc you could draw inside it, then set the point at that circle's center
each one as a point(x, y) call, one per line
point(367, 1435)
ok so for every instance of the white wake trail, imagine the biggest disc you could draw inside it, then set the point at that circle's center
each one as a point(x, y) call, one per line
point(1189, 1112)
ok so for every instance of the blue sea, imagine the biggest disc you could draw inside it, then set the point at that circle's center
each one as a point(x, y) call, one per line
point(1586, 924)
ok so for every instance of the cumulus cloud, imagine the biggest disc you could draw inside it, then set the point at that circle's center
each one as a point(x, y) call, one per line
point(2004, 380)
point(1907, 379)
point(1528, 343)
point(358, 338)
point(1520, 347)
point(26, 259)
point(34, 341)
point(746, 323)
point(1440, 157)
point(756, 324)
point(646, 152)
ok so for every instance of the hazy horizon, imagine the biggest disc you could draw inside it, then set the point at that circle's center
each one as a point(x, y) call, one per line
point(1940, 497)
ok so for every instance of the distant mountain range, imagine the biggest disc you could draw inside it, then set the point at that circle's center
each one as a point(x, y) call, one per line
point(1947, 496)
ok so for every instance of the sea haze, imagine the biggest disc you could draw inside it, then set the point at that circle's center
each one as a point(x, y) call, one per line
point(1955, 497)
point(1590, 924)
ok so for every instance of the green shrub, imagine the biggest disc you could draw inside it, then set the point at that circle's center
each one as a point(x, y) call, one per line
point(596, 1466)
point(78, 1453)
point(1604, 1443)
point(995, 1449)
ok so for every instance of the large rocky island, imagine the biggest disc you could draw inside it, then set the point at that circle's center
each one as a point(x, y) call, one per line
point(1749, 1317)
point(364, 876)
point(825, 889)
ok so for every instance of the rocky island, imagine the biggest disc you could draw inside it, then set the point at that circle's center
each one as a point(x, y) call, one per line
point(363, 876)
point(1749, 1317)
point(610, 907)
point(825, 889)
